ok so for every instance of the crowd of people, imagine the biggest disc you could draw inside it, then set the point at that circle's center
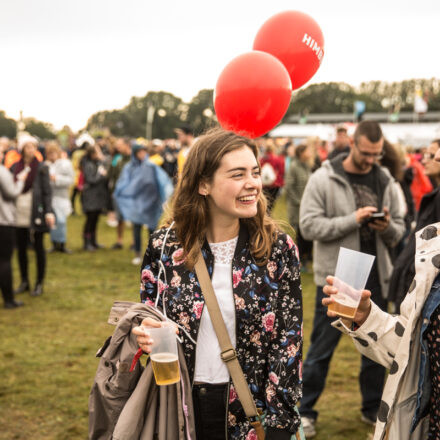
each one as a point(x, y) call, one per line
point(225, 188)
point(126, 179)
point(331, 204)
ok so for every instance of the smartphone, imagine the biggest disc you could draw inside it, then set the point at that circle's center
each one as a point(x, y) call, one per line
point(375, 216)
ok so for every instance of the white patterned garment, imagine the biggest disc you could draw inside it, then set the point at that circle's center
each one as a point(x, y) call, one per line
point(224, 251)
point(388, 340)
point(209, 367)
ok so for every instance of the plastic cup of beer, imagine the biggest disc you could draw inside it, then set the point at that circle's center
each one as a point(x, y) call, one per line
point(163, 356)
point(352, 272)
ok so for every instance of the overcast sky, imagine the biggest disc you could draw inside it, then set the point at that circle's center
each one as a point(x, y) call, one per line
point(63, 60)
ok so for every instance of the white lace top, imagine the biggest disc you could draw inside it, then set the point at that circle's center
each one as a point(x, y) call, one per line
point(224, 251)
point(209, 367)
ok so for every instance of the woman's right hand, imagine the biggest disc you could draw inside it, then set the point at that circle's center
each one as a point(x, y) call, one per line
point(363, 310)
point(144, 340)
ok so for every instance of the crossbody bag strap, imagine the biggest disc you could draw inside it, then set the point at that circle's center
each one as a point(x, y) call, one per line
point(228, 354)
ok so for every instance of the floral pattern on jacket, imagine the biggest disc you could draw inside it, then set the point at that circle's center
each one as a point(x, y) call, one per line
point(268, 306)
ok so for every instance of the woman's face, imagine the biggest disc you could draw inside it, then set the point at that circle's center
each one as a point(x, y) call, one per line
point(236, 186)
point(52, 155)
point(29, 150)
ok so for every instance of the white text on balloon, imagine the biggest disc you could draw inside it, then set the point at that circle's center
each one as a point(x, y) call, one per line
point(314, 46)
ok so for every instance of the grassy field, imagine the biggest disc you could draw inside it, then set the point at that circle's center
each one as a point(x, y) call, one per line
point(47, 357)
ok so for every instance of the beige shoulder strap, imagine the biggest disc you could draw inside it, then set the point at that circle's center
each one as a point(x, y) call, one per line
point(228, 354)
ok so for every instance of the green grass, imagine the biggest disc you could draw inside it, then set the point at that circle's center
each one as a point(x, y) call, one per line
point(47, 356)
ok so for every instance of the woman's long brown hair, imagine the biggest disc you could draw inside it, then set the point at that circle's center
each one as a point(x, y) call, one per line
point(189, 209)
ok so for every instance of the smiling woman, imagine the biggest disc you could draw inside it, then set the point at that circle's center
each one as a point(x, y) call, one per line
point(232, 193)
point(219, 212)
point(222, 170)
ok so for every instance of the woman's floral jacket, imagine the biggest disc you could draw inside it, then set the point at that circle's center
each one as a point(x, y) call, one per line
point(268, 308)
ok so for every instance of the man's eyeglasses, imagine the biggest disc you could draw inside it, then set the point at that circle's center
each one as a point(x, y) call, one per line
point(376, 156)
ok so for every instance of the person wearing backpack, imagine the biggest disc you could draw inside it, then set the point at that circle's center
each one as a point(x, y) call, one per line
point(219, 222)
point(272, 173)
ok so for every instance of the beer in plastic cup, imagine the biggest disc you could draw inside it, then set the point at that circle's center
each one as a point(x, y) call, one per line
point(352, 272)
point(164, 358)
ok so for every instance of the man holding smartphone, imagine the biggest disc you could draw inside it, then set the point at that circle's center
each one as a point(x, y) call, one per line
point(349, 202)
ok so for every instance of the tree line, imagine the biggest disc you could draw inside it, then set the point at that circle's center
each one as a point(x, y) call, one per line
point(163, 111)
point(8, 127)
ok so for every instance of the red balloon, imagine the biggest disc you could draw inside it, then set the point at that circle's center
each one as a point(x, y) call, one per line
point(252, 94)
point(296, 40)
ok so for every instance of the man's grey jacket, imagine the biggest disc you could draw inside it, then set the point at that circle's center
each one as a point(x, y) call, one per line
point(328, 217)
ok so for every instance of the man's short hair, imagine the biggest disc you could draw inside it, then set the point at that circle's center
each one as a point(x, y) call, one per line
point(300, 150)
point(341, 130)
point(436, 141)
point(186, 129)
point(370, 129)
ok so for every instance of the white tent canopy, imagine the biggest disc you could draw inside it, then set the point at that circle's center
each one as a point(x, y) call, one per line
point(415, 134)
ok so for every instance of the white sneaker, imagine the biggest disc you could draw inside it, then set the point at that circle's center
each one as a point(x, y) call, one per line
point(136, 261)
point(308, 426)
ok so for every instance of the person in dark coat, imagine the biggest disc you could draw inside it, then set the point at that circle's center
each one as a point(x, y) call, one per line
point(296, 180)
point(35, 215)
point(394, 161)
point(121, 158)
point(94, 194)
